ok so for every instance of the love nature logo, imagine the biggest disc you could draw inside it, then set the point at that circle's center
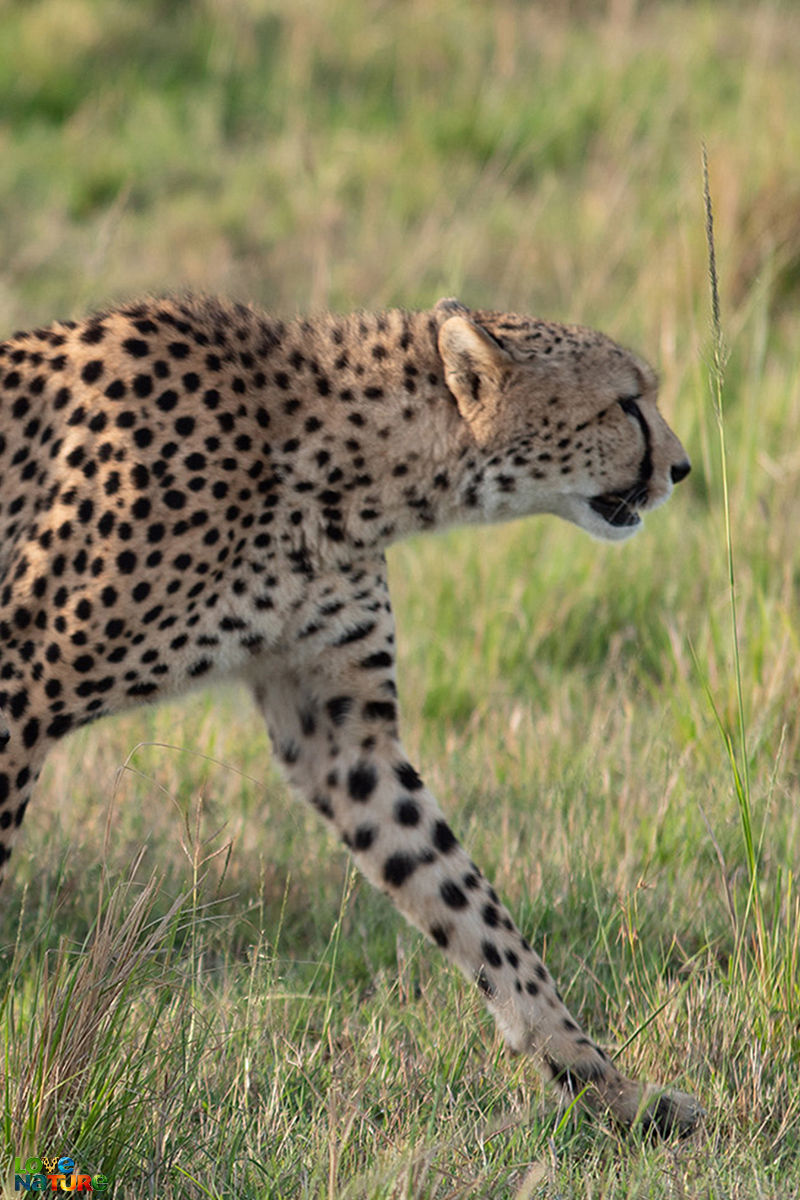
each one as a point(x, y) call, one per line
point(56, 1173)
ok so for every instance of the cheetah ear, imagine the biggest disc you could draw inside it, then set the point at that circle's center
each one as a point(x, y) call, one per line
point(475, 366)
point(448, 306)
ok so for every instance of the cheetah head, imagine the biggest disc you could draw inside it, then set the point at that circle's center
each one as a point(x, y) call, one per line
point(566, 420)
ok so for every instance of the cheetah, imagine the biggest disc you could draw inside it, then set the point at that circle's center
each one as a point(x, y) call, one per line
point(192, 491)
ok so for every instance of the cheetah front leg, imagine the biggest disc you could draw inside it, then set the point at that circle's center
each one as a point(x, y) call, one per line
point(331, 716)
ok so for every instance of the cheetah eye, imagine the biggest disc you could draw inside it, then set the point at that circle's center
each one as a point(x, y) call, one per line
point(628, 405)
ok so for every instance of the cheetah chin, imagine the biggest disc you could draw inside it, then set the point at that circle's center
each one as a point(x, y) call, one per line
point(613, 517)
point(607, 517)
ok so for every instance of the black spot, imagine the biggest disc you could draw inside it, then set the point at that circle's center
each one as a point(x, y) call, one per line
point(355, 634)
point(484, 983)
point(407, 811)
point(440, 935)
point(98, 422)
point(491, 954)
point(92, 371)
point(30, 733)
point(136, 347)
point(408, 777)
point(323, 805)
point(167, 400)
point(308, 722)
point(375, 661)
point(22, 618)
point(398, 868)
point(116, 390)
point(59, 725)
point(443, 837)
point(142, 689)
point(289, 752)
point(338, 708)
point(363, 837)
point(126, 562)
point(143, 386)
point(85, 511)
point(361, 781)
point(490, 915)
point(452, 894)
point(380, 710)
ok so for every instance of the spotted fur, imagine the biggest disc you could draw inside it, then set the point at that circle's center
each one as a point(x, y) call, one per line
point(192, 491)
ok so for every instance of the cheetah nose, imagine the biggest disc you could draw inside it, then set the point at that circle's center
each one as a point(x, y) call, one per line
point(680, 470)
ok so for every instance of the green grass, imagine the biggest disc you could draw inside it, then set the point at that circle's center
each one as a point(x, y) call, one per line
point(198, 996)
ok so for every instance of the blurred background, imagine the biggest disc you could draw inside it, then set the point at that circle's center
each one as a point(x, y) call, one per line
point(331, 153)
point(574, 705)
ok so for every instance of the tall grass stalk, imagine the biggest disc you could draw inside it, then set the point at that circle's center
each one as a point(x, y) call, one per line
point(739, 761)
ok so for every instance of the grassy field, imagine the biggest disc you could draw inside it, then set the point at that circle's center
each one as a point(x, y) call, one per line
point(198, 995)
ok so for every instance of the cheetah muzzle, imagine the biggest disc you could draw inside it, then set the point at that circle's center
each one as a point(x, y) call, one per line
point(192, 491)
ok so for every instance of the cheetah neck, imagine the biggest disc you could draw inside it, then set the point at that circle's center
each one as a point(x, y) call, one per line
point(398, 456)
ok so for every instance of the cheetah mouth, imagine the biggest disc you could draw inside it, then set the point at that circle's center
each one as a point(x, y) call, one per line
point(618, 510)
